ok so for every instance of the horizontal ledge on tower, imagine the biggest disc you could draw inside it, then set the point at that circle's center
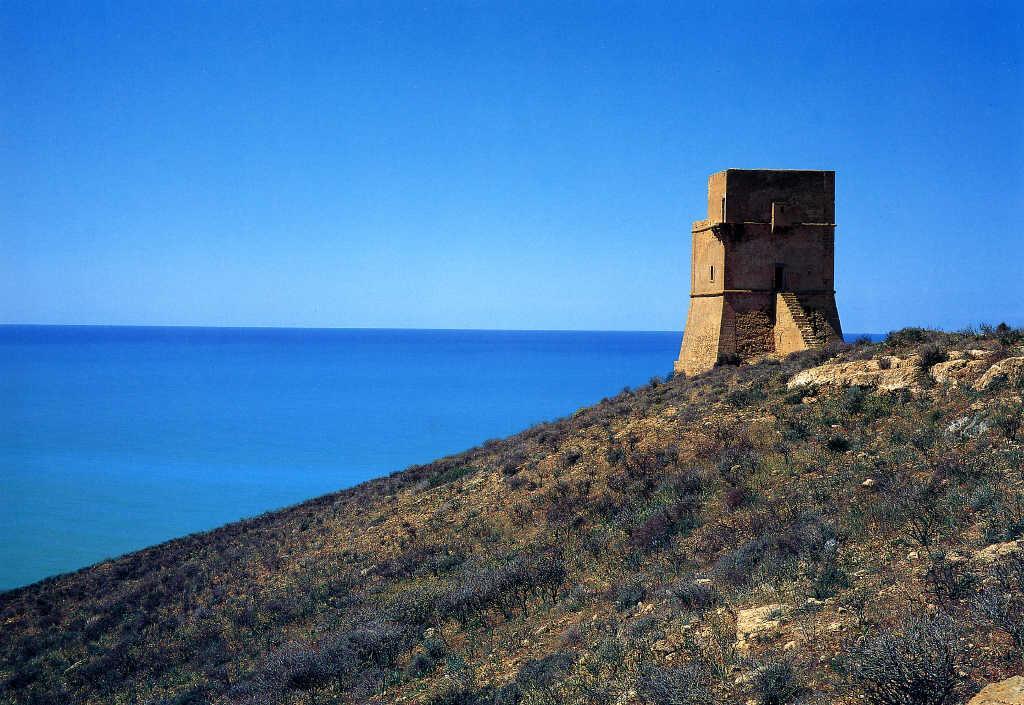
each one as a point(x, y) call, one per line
point(762, 291)
point(704, 228)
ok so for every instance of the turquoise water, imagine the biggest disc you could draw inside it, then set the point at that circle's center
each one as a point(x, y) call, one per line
point(112, 439)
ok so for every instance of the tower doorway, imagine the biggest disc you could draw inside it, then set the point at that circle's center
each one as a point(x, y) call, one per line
point(778, 283)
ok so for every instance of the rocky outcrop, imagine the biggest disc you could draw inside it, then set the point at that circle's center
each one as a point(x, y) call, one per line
point(1007, 692)
point(1009, 371)
point(959, 369)
point(887, 373)
point(759, 625)
point(996, 551)
point(892, 373)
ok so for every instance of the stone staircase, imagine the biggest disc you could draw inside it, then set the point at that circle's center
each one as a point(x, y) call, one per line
point(815, 336)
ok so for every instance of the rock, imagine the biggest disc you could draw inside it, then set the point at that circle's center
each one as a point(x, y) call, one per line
point(900, 374)
point(870, 482)
point(955, 372)
point(913, 556)
point(996, 551)
point(968, 426)
point(663, 646)
point(789, 645)
point(1007, 692)
point(429, 633)
point(1007, 371)
point(758, 625)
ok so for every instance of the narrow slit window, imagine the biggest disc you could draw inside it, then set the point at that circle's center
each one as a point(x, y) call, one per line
point(723, 209)
point(712, 272)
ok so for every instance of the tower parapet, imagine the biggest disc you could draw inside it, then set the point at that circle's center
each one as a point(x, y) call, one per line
point(762, 276)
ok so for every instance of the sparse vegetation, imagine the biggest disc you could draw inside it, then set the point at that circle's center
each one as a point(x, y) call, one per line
point(602, 558)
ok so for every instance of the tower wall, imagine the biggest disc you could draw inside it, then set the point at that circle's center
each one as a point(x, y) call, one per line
point(703, 338)
point(762, 267)
point(750, 323)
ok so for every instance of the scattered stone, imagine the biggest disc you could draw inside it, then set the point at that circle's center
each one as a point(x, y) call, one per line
point(913, 556)
point(870, 482)
point(1007, 692)
point(789, 645)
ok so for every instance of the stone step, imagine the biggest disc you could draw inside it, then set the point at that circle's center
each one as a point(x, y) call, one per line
point(811, 336)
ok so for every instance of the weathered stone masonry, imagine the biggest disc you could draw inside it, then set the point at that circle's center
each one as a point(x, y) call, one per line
point(762, 272)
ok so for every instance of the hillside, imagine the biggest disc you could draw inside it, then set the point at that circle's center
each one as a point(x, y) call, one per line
point(841, 526)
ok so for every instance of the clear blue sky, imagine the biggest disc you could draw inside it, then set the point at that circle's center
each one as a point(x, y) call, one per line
point(493, 165)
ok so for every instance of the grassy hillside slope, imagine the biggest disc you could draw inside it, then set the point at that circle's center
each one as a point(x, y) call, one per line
point(730, 537)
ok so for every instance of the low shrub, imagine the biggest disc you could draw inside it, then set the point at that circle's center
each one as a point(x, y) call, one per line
point(627, 594)
point(828, 579)
point(695, 595)
point(664, 523)
point(745, 396)
point(541, 679)
point(838, 444)
point(776, 683)
point(918, 662)
point(685, 685)
point(449, 475)
point(1001, 603)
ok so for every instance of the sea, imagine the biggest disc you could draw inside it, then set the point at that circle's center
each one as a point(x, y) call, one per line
point(116, 438)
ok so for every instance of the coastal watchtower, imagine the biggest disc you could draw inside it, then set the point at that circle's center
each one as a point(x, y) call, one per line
point(762, 271)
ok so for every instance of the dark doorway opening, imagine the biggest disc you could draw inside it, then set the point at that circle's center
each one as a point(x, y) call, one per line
point(779, 282)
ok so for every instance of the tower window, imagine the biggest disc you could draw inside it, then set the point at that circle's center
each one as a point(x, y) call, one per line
point(723, 209)
point(712, 272)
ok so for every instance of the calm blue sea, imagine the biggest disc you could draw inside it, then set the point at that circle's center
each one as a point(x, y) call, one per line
point(112, 438)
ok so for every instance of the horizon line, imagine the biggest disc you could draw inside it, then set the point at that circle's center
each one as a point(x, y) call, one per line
point(338, 328)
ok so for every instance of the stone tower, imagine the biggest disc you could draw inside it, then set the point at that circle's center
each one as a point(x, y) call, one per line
point(762, 270)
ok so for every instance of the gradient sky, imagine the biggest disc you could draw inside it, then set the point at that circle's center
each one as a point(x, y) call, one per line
point(493, 165)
